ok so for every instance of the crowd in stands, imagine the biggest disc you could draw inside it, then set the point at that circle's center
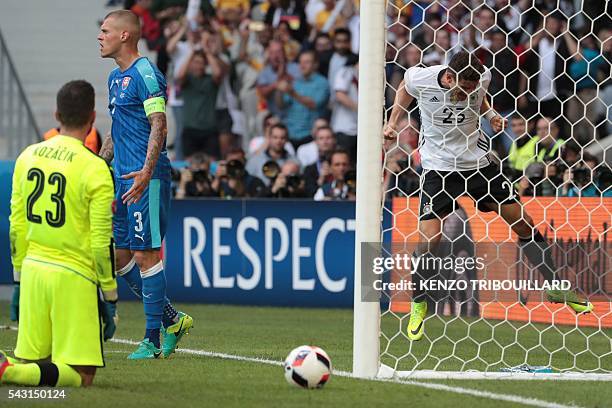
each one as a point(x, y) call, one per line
point(264, 92)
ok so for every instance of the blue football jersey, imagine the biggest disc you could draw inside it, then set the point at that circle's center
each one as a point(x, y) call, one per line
point(128, 92)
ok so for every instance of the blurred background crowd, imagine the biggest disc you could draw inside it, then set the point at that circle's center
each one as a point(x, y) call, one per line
point(263, 93)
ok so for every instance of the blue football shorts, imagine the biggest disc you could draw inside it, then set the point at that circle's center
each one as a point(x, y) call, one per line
point(141, 225)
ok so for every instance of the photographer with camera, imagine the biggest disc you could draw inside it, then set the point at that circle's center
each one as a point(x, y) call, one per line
point(194, 181)
point(342, 187)
point(318, 173)
point(286, 180)
point(587, 179)
point(232, 180)
point(279, 135)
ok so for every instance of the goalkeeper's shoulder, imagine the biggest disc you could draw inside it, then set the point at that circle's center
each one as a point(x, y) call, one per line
point(96, 170)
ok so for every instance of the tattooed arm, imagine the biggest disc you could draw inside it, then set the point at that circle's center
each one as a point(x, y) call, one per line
point(106, 151)
point(157, 138)
point(143, 176)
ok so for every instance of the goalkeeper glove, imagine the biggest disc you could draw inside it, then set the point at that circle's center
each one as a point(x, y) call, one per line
point(108, 312)
point(15, 303)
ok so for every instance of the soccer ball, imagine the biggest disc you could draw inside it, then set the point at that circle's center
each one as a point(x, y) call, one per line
point(307, 367)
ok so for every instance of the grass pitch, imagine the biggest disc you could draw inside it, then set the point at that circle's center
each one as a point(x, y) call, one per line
point(270, 333)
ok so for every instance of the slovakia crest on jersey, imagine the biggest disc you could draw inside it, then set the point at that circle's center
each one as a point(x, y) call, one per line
point(125, 83)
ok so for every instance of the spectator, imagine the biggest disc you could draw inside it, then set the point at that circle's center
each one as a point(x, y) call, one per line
point(550, 144)
point(303, 100)
point(239, 7)
point(344, 108)
point(441, 51)
point(324, 49)
point(232, 180)
point(340, 187)
point(150, 26)
point(199, 90)
point(540, 179)
point(290, 46)
point(342, 53)
point(260, 143)
point(503, 63)
point(523, 149)
point(310, 152)
point(291, 11)
point(276, 152)
point(288, 183)
point(587, 179)
point(276, 70)
point(402, 162)
point(586, 70)
point(254, 39)
point(427, 32)
point(178, 49)
point(330, 17)
point(195, 181)
point(545, 67)
point(318, 173)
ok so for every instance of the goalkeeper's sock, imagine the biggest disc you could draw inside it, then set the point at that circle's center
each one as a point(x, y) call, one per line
point(42, 374)
point(170, 314)
point(539, 254)
point(154, 299)
point(131, 274)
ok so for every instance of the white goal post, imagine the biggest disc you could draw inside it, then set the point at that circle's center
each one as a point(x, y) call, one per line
point(380, 346)
point(368, 209)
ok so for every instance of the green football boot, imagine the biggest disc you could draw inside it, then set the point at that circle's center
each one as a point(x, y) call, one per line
point(416, 328)
point(173, 334)
point(570, 298)
point(145, 351)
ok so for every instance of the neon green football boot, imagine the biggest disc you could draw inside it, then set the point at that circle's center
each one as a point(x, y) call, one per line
point(146, 350)
point(173, 334)
point(570, 298)
point(416, 328)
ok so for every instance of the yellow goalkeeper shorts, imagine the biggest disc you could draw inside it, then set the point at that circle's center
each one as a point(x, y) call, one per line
point(58, 316)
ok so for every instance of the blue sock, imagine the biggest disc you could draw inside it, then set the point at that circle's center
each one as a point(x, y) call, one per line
point(153, 336)
point(170, 314)
point(154, 299)
point(131, 274)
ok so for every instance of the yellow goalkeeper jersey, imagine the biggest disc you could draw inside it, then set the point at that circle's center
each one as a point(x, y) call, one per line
point(61, 211)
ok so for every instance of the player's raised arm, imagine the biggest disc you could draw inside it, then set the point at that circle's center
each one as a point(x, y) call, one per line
point(100, 192)
point(498, 123)
point(400, 107)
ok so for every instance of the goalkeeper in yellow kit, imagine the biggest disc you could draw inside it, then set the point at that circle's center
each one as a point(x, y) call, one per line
point(62, 252)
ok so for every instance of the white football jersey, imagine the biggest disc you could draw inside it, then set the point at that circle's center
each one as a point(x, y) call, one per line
point(451, 139)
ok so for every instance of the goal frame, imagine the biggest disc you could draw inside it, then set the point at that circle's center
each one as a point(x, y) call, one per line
point(368, 215)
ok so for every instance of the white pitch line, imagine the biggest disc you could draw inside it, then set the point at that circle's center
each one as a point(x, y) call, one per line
point(433, 386)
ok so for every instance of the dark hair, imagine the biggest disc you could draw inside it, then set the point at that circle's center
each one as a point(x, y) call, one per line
point(466, 66)
point(75, 103)
point(339, 151)
point(280, 126)
point(429, 17)
point(343, 30)
point(322, 35)
point(312, 52)
point(484, 7)
point(326, 127)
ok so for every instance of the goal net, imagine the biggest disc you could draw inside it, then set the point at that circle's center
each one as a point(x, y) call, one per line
point(489, 317)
